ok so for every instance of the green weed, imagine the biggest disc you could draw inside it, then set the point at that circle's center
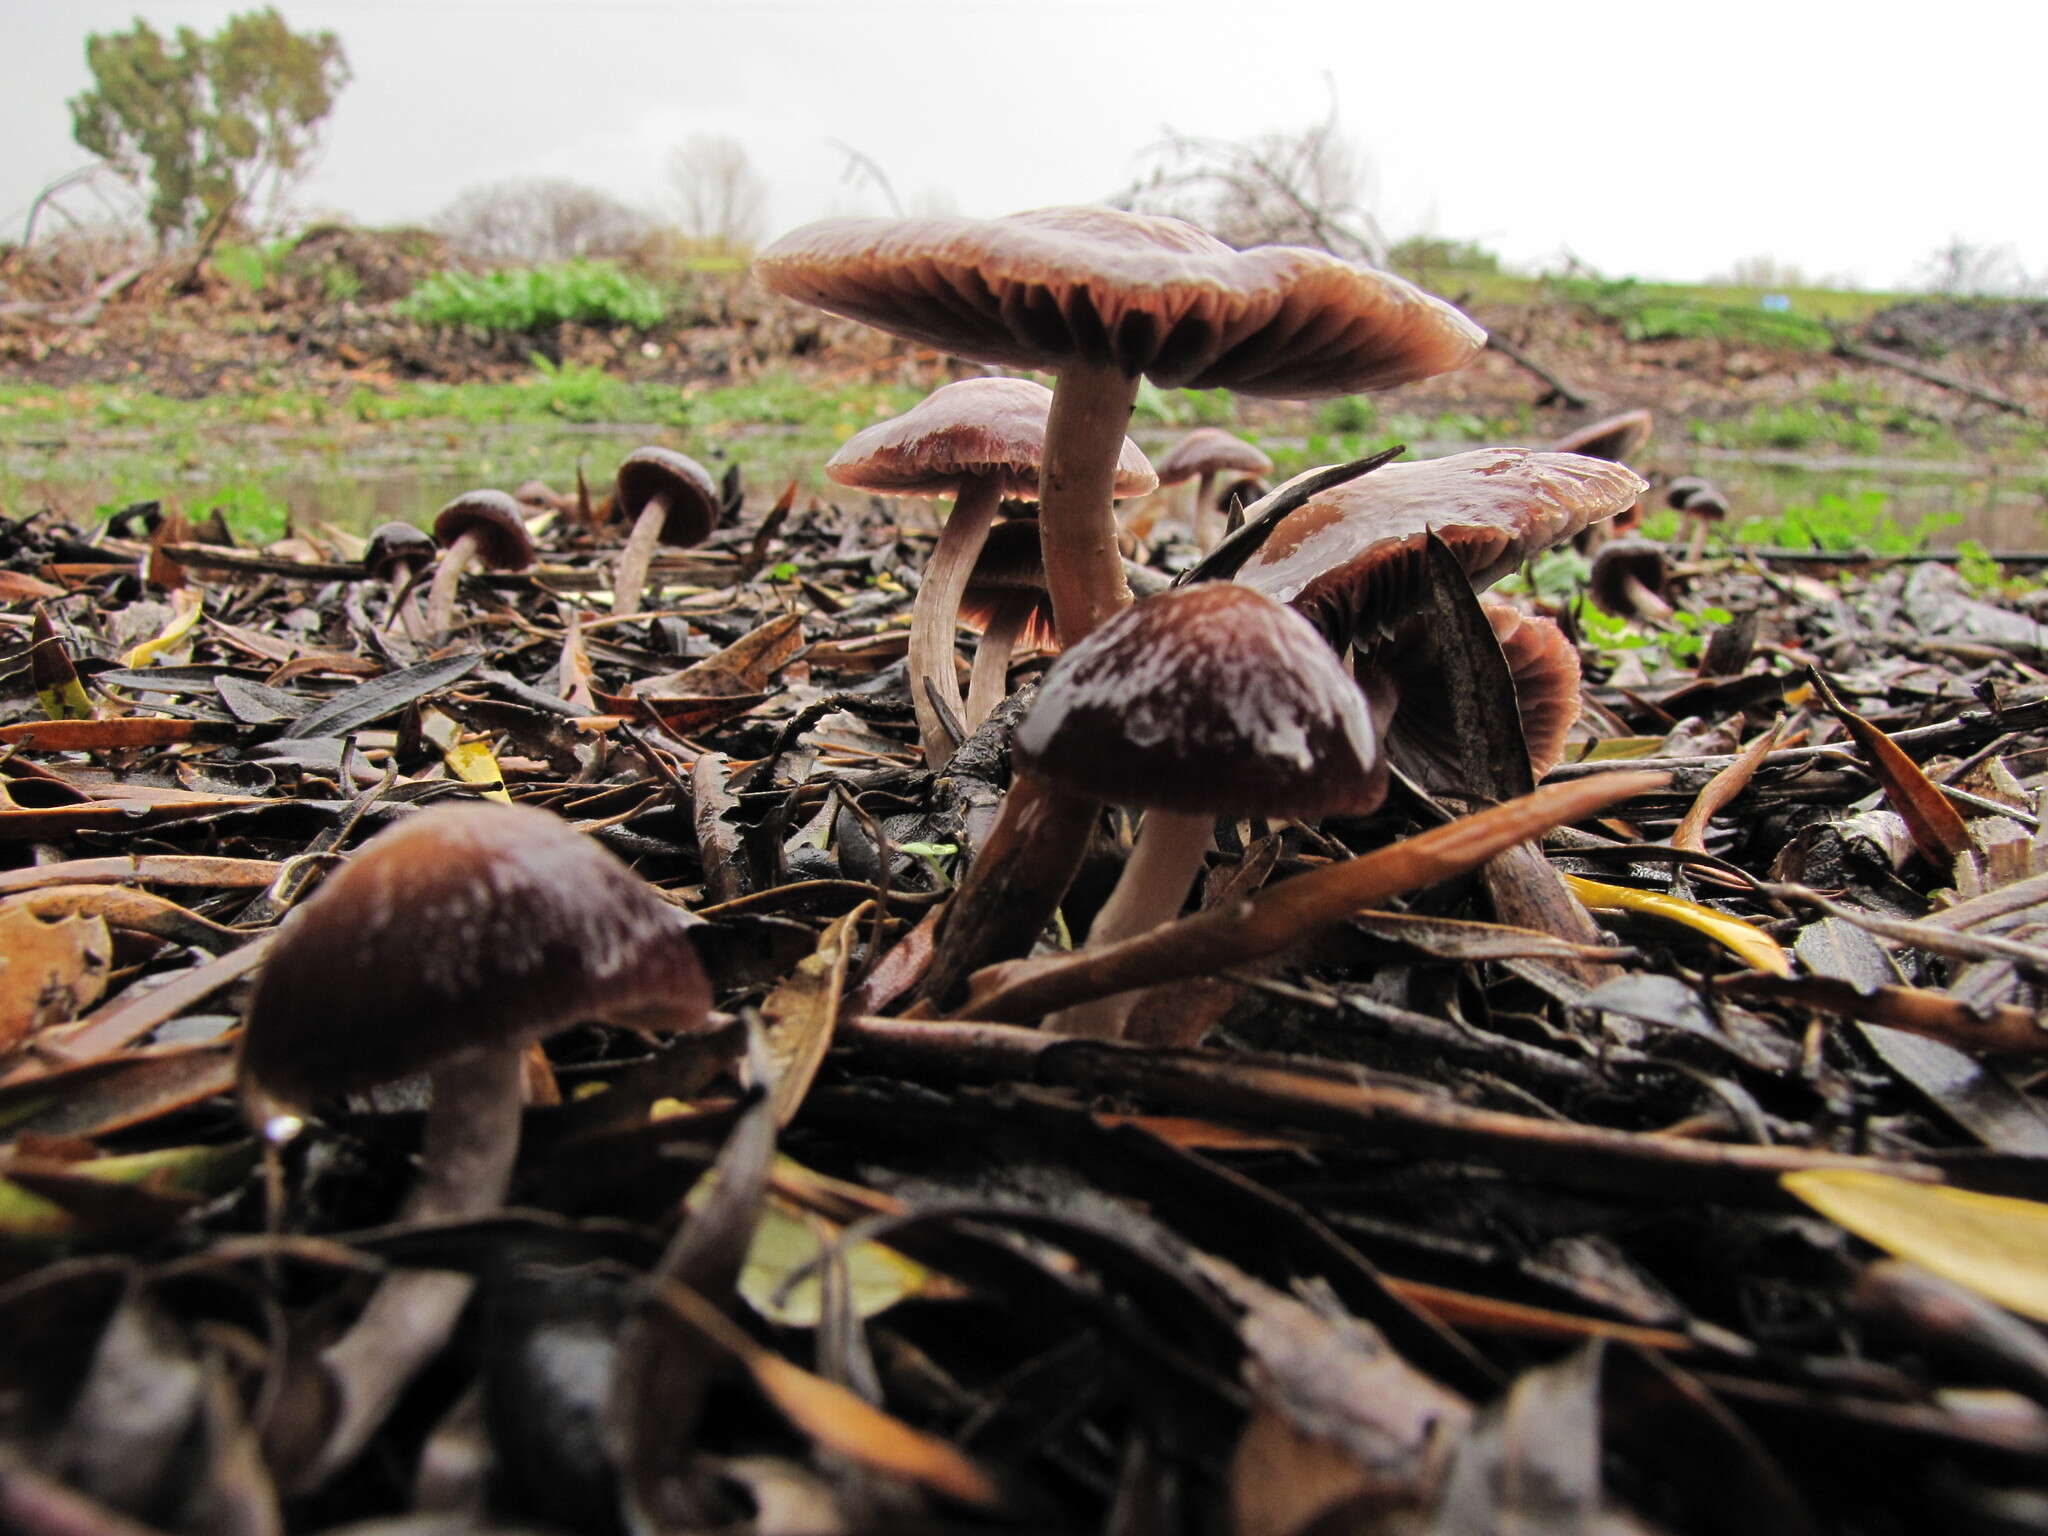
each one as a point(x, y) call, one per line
point(1859, 523)
point(523, 300)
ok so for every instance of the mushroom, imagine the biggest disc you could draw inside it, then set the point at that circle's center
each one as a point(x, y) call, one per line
point(396, 553)
point(1616, 438)
point(1208, 701)
point(480, 526)
point(1007, 601)
point(1103, 298)
point(1700, 505)
point(1540, 658)
point(1201, 456)
point(446, 945)
point(1351, 558)
point(672, 499)
point(978, 441)
point(1629, 579)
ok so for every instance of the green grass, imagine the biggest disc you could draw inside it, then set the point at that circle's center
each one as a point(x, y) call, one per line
point(1853, 524)
point(525, 300)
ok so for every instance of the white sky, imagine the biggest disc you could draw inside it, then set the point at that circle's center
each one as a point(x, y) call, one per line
point(1656, 140)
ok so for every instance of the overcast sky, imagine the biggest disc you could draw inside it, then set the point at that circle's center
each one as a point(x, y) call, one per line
point(1654, 140)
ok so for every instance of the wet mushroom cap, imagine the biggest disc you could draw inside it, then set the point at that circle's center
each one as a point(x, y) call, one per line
point(462, 928)
point(1208, 700)
point(691, 493)
point(503, 544)
point(971, 429)
point(1352, 557)
point(1615, 563)
point(396, 547)
point(1619, 438)
point(1151, 296)
point(1680, 492)
point(1211, 451)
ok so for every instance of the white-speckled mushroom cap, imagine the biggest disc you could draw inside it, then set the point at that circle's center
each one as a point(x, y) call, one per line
point(1211, 700)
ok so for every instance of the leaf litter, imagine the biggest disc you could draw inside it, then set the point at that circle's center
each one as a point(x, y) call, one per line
point(1465, 1167)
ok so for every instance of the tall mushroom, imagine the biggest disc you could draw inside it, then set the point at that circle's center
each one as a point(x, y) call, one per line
point(1006, 600)
point(1201, 456)
point(672, 499)
point(445, 946)
point(477, 527)
point(1104, 298)
point(978, 441)
point(1203, 702)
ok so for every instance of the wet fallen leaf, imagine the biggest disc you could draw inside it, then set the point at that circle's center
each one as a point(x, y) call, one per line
point(51, 969)
point(1993, 1244)
point(1745, 941)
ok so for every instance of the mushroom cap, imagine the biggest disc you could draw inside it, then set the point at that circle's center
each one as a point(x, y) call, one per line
point(968, 430)
point(396, 547)
point(1704, 500)
point(1011, 563)
point(1209, 700)
point(1619, 438)
point(539, 495)
point(503, 544)
point(462, 928)
point(1542, 661)
point(1617, 560)
point(1352, 558)
point(1210, 451)
point(690, 492)
point(1682, 490)
point(1150, 295)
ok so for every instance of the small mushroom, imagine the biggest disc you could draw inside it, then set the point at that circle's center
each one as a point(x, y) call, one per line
point(1629, 579)
point(1208, 701)
point(1700, 506)
point(1617, 438)
point(395, 555)
point(445, 946)
point(672, 499)
point(978, 441)
point(476, 527)
point(1201, 456)
point(1007, 601)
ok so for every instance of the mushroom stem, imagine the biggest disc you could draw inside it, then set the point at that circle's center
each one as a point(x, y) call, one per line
point(455, 560)
point(638, 557)
point(1647, 604)
point(1207, 522)
point(1084, 434)
point(1163, 864)
point(1015, 882)
point(937, 611)
point(990, 682)
point(468, 1144)
point(1697, 544)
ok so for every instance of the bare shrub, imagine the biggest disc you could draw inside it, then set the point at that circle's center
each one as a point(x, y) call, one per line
point(542, 219)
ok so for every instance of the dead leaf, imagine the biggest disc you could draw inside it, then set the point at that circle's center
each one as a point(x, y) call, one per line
point(50, 970)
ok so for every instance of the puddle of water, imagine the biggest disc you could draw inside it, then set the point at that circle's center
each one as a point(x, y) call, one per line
point(363, 476)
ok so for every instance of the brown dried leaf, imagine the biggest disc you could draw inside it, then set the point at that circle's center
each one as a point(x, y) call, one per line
point(1939, 832)
point(49, 970)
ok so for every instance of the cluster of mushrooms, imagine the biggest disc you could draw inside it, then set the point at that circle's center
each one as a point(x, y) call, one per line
point(1284, 688)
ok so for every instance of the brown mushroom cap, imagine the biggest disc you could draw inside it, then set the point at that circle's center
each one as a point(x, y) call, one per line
point(1542, 661)
point(972, 429)
point(691, 493)
point(1618, 560)
point(1209, 700)
point(1010, 564)
point(503, 544)
point(1619, 438)
point(1211, 451)
point(396, 547)
point(1148, 295)
point(1352, 557)
point(462, 928)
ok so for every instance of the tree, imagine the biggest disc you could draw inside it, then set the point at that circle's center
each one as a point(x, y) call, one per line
point(1962, 269)
point(540, 219)
point(208, 119)
point(720, 198)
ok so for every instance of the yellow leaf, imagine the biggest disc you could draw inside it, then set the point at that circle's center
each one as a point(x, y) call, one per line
point(190, 604)
point(786, 1239)
point(1994, 1244)
point(1616, 749)
point(1747, 942)
point(471, 761)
